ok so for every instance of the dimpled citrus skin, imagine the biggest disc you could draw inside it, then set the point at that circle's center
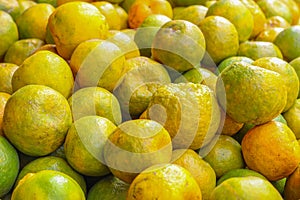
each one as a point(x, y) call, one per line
point(248, 188)
point(84, 145)
point(179, 44)
point(6, 72)
point(142, 142)
point(237, 13)
point(188, 111)
point(9, 166)
point(253, 95)
point(8, 32)
point(175, 183)
point(55, 73)
point(51, 163)
point(221, 37)
point(291, 190)
point(272, 150)
point(74, 29)
point(47, 184)
point(288, 74)
point(36, 119)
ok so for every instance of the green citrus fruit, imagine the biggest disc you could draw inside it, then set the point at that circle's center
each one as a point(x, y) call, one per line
point(55, 73)
point(296, 65)
point(248, 188)
point(239, 173)
point(225, 155)
point(292, 117)
point(237, 13)
point(136, 87)
point(228, 61)
point(85, 142)
point(95, 101)
point(253, 94)
point(9, 166)
point(8, 32)
point(286, 40)
point(188, 111)
point(193, 13)
point(288, 74)
point(51, 163)
point(179, 44)
point(36, 119)
point(22, 49)
point(136, 145)
point(108, 188)
point(47, 184)
point(259, 49)
point(221, 37)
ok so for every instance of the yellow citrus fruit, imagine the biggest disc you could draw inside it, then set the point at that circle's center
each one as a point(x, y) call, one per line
point(221, 37)
point(136, 145)
point(272, 150)
point(148, 29)
point(237, 13)
point(47, 47)
point(291, 189)
point(294, 9)
point(296, 65)
point(202, 172)
point(47, 184)
point(188, 111)
point(288, 74)
point(36, 119)
point(125, 43)
point(129, 32)
point(225, 155)
point(192, 75)
point(95, 101)
point(259, 49)
point(6, 73)
point(80, 53)
point(9, 166)
point(102, 66)
point(60, 2)
point(276, 21)
point(123, 16)
point(286, 40)
point(140, 9)
point(68, 26)
point(259, 18)
point(8, 32)
point(209, 78)
point(51, 163)
point(110, 14)
point(22, 49)
point(248, 188)
point(275, 8)
point(194, 14)
point(55, 73)
point(85, 142)
point(269, 34)
point(108, 188)
point(228, 61)
point(253, 94)
point(179, 44)
point(12, 7)
point(33, 21)
point(3, 100)
point(137, 86)
point(292, 117)
point(174, 182)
